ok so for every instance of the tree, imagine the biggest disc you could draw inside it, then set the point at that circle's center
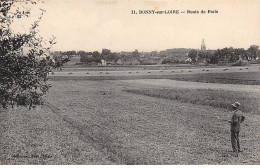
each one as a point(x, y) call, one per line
point(214, 58)
point(135, 54)
point(252, 50)
point(96, 54)
point(204, 56)
point(83, 56)
point(258, 53)
point(193, 55)
point(113, 57)
point(23, 76)
point(105, 52)
point(89, 57)
point(107, 55)
point(201, 54)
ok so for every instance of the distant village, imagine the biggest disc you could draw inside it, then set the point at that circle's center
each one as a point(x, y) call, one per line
point(200, 56)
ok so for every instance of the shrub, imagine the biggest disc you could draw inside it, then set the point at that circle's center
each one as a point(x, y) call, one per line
point(23, 76)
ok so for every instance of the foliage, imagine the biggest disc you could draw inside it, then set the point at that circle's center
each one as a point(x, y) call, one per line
point(252, 50)
point(193, 55)
point(232, 55)
point(23, 76)
point(60, 59)
point(105, 52)
point(96, 54)
point(69, 53)
point(173, 61)
point(107, 55)
point(89, 57)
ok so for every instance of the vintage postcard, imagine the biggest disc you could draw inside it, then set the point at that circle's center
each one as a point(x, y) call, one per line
point(130, 82)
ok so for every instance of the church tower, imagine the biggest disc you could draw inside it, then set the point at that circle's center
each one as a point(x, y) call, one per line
point(203, 46)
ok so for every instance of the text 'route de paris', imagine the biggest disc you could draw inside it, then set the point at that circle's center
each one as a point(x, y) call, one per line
point(175, 12)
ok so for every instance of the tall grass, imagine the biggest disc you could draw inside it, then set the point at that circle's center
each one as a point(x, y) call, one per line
point(216, 98)
point(244, 78)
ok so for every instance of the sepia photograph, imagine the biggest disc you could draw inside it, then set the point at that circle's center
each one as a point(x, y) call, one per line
point(130, 82)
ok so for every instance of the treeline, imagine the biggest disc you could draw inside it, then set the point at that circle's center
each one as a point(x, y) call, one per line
point(107, 55)
point(58, 58)
point(229, 55)
point(170, 56)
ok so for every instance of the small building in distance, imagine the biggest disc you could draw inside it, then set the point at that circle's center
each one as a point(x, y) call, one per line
point(119, 62)
point(135, 62)
point(103, 62)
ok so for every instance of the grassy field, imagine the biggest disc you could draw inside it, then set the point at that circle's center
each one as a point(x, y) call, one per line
point(244, 78)
point(249, 75)
point(208, 97)
point(120, 122)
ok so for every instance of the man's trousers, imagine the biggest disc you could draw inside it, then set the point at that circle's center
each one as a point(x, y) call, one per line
point(235, 141)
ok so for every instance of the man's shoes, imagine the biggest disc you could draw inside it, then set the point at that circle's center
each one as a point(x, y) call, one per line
point(235, 153)
point(240, 151)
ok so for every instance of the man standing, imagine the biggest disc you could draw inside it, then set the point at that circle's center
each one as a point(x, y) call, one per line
point(235, 122)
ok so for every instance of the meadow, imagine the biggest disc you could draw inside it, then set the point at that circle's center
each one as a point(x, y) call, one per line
point(244, 78)
point(208, 97)
point(141, 119)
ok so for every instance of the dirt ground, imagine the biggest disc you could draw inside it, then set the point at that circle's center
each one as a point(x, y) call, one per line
point(153, 70)
point(98, 122)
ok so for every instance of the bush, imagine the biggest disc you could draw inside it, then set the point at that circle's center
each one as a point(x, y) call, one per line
point(23, 76)
point(241, 63)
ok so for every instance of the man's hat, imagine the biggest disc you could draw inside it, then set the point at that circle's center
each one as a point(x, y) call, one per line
point(236, 104)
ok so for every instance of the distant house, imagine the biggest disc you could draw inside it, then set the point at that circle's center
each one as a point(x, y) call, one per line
point(151, 61)
point(103, 62)
point(188, 60)
point(128, 62)
point(89, 54)
point(156, 60)
point(57, 56)
point(160, 61)
point(119, 62)
point(142, 55)
point(111, 62)
point(225, 60)
point(73, 60)
point(135, 62)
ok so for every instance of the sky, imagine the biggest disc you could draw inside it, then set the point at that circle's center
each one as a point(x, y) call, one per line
point(95, 24)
